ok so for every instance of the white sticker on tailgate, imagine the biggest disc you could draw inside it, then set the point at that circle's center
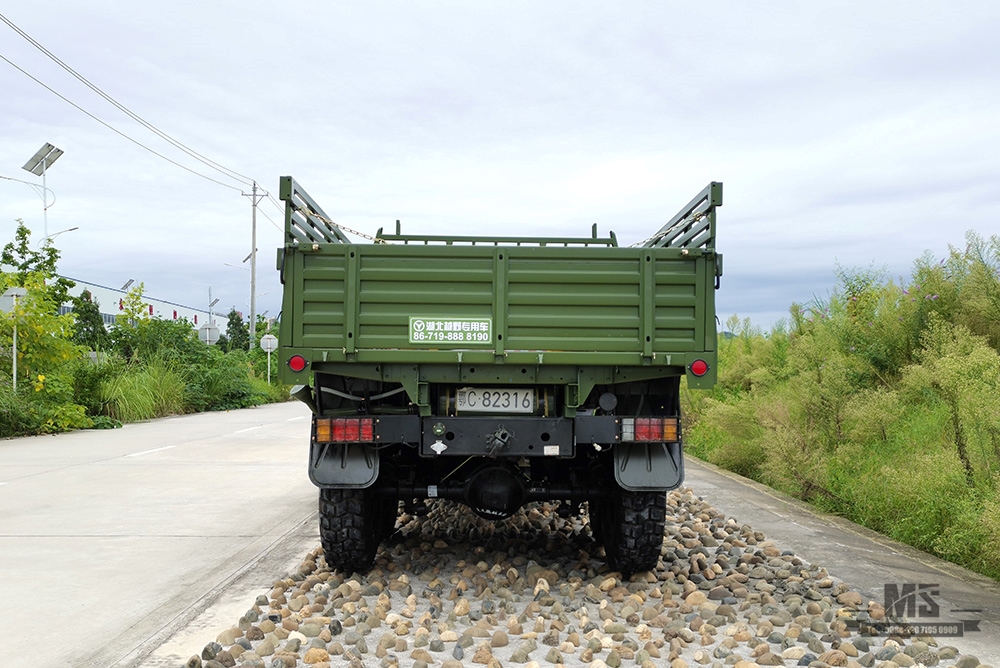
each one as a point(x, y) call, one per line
point(462, 331)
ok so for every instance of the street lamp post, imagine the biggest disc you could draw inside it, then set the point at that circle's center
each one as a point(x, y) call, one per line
point(42, 241)
point(37, 165)
point(12, 294)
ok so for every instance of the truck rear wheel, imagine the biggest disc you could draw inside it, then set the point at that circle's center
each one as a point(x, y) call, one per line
point(352, 523)
point(631, 529)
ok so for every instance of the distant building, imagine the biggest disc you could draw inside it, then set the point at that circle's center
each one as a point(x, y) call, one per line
point(111, 305)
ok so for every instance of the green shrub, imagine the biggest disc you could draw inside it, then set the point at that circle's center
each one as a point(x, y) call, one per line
point(169, 388)
point(127, 396)
point(267, 393)
point(221, 381)
point(105, 422)
point(88, 378)
point(18, 415)
point(728, 435)
point(879, 403)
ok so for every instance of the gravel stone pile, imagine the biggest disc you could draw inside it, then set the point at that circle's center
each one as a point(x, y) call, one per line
point(452, 590)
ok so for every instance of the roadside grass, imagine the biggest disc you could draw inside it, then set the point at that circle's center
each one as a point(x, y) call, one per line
point(879, 404)
point(18, 416)
point(132, 392)
point(909, 486)
point(143, 392)
point(265, 392)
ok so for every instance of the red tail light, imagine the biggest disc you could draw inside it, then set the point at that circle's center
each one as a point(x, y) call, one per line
point(646, 430)
point(345, 430)
point(297, 363)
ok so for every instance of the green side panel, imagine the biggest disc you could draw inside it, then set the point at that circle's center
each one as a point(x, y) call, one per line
point(322, 300)
point(400, 282)
point(678, 319)
point(560, 300)
point(546, 304)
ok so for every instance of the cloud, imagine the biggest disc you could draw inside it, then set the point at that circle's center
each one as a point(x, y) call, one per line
point(851, 132)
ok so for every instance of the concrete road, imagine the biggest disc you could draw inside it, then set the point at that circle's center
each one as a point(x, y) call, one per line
point(864, 559)
point(138, 546)
point(112, 541)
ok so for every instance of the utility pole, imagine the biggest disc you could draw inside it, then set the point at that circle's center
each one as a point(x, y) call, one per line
point(254, 200)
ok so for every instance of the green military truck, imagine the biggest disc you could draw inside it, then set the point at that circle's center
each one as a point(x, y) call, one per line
point(496, 371)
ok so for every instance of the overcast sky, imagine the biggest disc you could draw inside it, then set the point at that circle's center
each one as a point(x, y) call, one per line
point(852, 133)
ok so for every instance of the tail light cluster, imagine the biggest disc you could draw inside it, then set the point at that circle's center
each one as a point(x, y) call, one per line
point(345, 430)
point(636, 430)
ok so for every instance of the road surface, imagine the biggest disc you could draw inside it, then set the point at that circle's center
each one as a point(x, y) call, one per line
point(137, 546)
point(111, 541)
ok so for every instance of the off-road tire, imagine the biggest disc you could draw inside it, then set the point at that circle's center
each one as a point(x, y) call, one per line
point(352, 523)
point(631, 528)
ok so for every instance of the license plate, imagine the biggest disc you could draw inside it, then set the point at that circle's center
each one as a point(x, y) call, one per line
point(495, 400)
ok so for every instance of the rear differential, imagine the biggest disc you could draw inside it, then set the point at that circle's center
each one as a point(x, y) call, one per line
point(494, 492)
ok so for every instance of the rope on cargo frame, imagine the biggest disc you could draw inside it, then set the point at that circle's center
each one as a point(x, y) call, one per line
point(345, 228)
point(659, 235)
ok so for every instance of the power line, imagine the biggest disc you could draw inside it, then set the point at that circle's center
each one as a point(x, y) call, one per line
point(230, 173)
point(278, 205)
point(276, 226)
point(115, 130)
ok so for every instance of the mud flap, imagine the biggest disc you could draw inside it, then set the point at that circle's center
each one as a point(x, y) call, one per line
point(351, 466)
point(652, 466)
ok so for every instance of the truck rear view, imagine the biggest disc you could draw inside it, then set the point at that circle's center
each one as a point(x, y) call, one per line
point(496, 371)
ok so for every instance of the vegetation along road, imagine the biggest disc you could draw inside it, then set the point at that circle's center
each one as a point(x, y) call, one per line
point(144, 546)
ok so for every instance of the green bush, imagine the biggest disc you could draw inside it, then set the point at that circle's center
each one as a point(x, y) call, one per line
point(135, 392)
point(221, 381)
point(879, 404)
point(18, 415)
point(267, 393)
point(89, 377)
point(127, 396)
point(144, 368)
point(729, 435)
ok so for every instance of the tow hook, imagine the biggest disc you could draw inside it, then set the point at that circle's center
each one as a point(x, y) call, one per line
point(498, 440)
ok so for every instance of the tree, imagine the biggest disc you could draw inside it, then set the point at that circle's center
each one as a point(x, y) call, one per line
point(44, 336)
point(237, 331)
point(45, 349)
point(25, 262)
point(133, 308)
point(44, 342)
point(90, 330)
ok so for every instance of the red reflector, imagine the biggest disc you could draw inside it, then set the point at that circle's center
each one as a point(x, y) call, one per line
point(699, 367)
point(367, 433)
point(297, 363)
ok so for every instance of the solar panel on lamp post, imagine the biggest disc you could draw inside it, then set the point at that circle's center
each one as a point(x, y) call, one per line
point(38, 165)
